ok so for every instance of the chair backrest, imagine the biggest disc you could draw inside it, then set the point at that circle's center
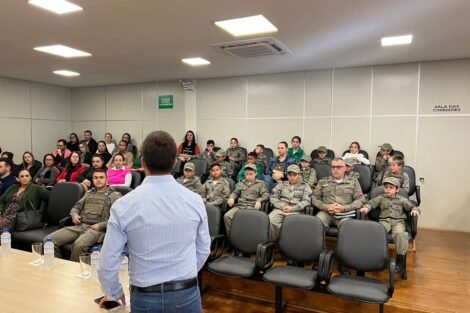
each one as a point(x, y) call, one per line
point(249, 228)
point(177, 168)
point(214, 218)
point(62, 198)
point(231, 183)
point(412, 175)
point(363, 152)
point(302, 238)
point(365, 178)
point(201, 167)
point(329, 153)
point(323, 170)
point(379, 190)
point(136, 179)
point(362, 245)
point(268, 152)
point(122, 189)
point(245, 152)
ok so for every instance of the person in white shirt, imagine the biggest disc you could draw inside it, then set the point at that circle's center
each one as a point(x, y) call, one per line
point(354, 154)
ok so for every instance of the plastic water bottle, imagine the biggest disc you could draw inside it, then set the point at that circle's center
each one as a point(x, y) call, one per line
point(49, 253)
point(6, 242)
point(94, 258)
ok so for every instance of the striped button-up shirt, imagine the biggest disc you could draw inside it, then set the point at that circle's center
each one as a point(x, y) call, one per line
point(165, 228)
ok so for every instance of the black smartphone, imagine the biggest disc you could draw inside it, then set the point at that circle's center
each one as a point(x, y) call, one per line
point(108, 305)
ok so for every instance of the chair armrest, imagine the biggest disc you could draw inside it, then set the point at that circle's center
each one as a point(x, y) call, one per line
point(265, 206)
point(360, 215)
point(418, 194)
point(66, 221)
point(217, 247)
point(265, 256)
point(413, 225)
point(325, 266)
point(391, 278)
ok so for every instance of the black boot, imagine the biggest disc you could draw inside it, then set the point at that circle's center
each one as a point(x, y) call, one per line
point(399, 263)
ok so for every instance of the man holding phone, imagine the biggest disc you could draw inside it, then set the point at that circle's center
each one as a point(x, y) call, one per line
point(165, 228)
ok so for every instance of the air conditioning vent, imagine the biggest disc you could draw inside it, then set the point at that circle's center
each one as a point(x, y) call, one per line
point(252, 48)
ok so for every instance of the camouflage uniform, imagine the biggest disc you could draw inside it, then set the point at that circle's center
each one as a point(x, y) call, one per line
point(348, 193)
point(215, 192)
point(262, 159)
point(247, 194)
point(309, 175)
point(227, 169)
point(208, 156)
point(353, 175)
point(193, 184)
point(402, 177)
point(380, 165)
point(325, 160)
point(93, 208)
point(238, 154)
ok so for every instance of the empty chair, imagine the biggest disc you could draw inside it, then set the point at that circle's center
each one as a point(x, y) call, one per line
point(323, 170)
point(293, 244)
point(249, 235)
point(365, 178)
point(136, 179)
point(201, 167)
point(329, 153)
point(363, 246)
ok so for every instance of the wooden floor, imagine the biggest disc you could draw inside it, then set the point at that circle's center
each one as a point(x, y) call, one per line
point(438, 281)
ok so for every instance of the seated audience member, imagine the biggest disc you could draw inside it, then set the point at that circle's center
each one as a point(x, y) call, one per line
point(322, 157)
point(72, 145)
point(226, 167)
point(119, 174)
point(354, 154)
point(235, 154)
point(381, 162)
point(29, 163)
point(337, 197)
point(188, 149)
point(85, 154)
point(395, 169)
point(308, 173)
point(47, 173)
point(392, 216)
point(108, 139)
point(103, 150)
point(6, 178)
point(61, 154)
point(90, 216)
point(295, 152)
point(189, 180)
point(86, 178)
point(90, 141)
point(249, 193)
point(20, 197)
point(137, 164)
point(283, 161)
point(250, 160)
point(288, 197)
point(72, 169)
point(216, 189)
point(128, 156)
point(130, 146)
point(261, 158)
point(208, 154)
point(349, 169)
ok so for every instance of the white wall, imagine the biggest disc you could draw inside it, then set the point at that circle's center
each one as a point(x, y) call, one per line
point(32, 117)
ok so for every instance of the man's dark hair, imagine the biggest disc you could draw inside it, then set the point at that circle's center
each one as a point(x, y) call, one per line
point(214, 165)
point(252, 154)
point(284, 143)
point(298, 138)
point(7, 161)
point(8, 155)
point(159, 152)
point(100, 170)
point(210, 142)
point(62, 141)
point(88, 131)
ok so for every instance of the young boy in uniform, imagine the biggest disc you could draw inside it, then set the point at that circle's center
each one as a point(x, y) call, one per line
point(251, 159)
point(216, 188)
point(395, 169)
point(381, 162)
point(260, 156)
point(226, 167)
point(322, 156)
point(308, 173)
point(209, 153)
point(349, 169)
point(190, 181)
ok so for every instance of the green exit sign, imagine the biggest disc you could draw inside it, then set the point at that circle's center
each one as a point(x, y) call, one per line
point(165, 102)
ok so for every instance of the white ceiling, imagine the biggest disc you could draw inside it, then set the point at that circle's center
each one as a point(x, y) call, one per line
point(145, 40)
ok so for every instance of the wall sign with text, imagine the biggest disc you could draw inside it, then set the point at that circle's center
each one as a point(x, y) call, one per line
point(165, 102)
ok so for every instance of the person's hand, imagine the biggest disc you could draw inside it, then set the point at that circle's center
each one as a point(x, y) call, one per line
point(365, 210)
point(87, 183)
point(105, 298)
point(59, 152)
point(287, 209)
point(230, 201)
point(76, 219)
point(209, 149)
point(231, 158)
point(258, 205)
point(61, 181)
point(330, 208)
point(338, 208)
point(354, 158)
point(414, 212)
point(95, 227)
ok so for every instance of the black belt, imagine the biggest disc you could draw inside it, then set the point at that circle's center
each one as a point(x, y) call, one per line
point(168, 286)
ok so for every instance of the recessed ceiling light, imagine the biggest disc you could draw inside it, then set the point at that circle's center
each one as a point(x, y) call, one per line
point(56, 6)
point(66, 73)
point(196, 61)
point(249, 25)
point(63, 51)
point(396, 40)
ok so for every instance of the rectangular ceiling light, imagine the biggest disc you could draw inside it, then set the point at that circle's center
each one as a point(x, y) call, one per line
point(66, 73)
point(196, 61)
point(63, 51)
point(56, 6)
point(249, 25)
point(396, 40)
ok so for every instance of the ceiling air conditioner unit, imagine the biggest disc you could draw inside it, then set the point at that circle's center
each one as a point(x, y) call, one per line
point(252, 48)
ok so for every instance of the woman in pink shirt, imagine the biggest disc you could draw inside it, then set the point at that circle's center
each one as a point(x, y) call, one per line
point(119, 175)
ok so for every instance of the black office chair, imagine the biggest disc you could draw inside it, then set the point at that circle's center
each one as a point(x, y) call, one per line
point(365, 177)
point(329, 153)
point(231, 183)
point(136, 179)
point(362, 245)
point(302, 239)
point(201, 168)
point(363, 152)
point(177, 169)
point(415, 189)
point(323, 170)
point(268, 152)
point(249, 235)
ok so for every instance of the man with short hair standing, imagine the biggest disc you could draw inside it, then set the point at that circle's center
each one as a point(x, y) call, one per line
point(166, 234)
point(6, 178)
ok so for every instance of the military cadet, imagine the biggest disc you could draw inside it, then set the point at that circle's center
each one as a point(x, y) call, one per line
point(395, 169)
point(249, 193)
point(309, 174)
point(209, 153)
point(90, 216)
point(235, 153)
point(190, 181)
point(381, 162)
point(322, 157)
point(261, 158)
point(251, 159)
point(288, 197)
point(216, 189)
point(392, 216)
point(349, 169)
point(226, 167)
point(337, 197)
point(295, 152)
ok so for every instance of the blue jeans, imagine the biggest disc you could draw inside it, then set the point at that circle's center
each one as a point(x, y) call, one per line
point(180, 301)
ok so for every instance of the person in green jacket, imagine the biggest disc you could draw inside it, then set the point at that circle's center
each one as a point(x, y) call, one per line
point(19, 197)
point(295, 152)
point(251, 159)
